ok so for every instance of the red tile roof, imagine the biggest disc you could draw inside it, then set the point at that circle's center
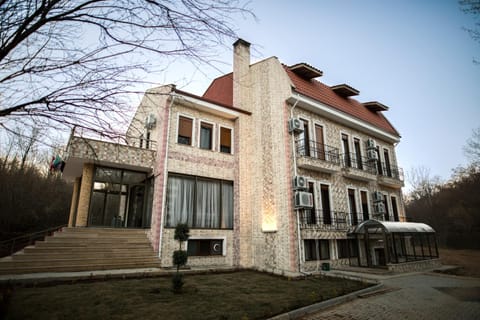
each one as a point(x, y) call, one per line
point(318, 91)
point(221, 91)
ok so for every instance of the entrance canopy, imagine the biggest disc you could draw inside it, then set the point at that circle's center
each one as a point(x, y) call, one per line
point(381, 243)
point(393, 227)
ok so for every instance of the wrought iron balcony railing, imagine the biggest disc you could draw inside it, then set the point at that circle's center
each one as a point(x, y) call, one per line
point(351, 160)
point(387, 170)
point(317, 150)
point(329, 220)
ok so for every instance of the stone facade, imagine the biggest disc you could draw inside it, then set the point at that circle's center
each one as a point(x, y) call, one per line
point(267, 232)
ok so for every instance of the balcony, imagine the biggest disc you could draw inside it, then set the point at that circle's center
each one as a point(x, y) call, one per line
point(359, 168)
point(81, 150)
point(321, 220)
point(390, 176)
point(316, 156)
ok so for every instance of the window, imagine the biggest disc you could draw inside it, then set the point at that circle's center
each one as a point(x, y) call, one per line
point(364, 199)
point(199, 202)
point(379, 162)
point(388, 169)
point(185, 126)
point(326, 210)
point(342, 247)
point(347, 248)
point(387, 211)
point(316, 249)
point(353, 207)
point(206, 135)
point(320, 147)
point(346, 151)
point(310, 214)
point(394, 208)
point(205, 247)
point(225, 140)
point(304, 140)
point(358, 154)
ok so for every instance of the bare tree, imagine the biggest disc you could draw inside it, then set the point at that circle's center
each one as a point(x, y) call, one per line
point(423, 184)
point(66, 63)
point(472, 7)
point(472, 148)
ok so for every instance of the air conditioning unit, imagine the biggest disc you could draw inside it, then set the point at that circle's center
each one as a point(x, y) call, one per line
point(150, 121)
point(377, 196)
point(372, 154)
point(379, 207)
point(299, 183)
point(303, 199)
point(295, 125)
point(370, 143)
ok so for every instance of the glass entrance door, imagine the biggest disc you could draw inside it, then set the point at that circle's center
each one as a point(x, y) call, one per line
point(119, 199)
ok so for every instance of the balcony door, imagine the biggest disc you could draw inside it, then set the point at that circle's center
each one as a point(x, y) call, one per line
point(320, 146)
point(326, 209)
point(346, 151)
point(353, 207)
point(304, 140)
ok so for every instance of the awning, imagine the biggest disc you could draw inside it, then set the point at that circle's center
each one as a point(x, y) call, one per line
point(393, 227)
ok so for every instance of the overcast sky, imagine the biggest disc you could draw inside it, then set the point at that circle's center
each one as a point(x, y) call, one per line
point(412, 56)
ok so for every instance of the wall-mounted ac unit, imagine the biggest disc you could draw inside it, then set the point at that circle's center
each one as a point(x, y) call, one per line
point(379, 207)
point(295, 125)
point(303, 199)
point(377, 196)
point(150, 121)
point(299, 183)
point(370, 143)
point(372, 154)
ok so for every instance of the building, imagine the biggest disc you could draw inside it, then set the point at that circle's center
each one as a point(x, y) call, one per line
point(271, 169)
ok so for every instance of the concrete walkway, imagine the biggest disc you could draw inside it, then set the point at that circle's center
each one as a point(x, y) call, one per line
point(414, 296)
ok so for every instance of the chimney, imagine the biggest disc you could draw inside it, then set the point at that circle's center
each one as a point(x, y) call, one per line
point(241, 66)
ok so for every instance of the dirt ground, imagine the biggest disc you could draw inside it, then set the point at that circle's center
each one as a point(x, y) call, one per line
point(467, 260)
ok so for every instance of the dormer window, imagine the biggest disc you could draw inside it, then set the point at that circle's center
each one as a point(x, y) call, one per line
point(345, 90)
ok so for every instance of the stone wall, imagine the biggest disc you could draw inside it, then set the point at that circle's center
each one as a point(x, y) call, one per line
point(412, 266)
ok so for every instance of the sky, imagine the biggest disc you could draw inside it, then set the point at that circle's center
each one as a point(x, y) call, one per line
point(413, 56)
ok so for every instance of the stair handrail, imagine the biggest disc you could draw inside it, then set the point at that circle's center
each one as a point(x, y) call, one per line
point(10, 246)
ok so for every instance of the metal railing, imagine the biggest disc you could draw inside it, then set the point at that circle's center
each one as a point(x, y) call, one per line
point(351, 160)
point(10, 246)
point(317, 150)
point(390, 171)
point(328, 220)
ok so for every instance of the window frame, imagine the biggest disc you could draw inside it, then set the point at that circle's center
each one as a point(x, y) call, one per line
point(193, 217)
point(192, 137)
point(317, 255)
point(206, 238)
point(220, 127)
point(212, 134)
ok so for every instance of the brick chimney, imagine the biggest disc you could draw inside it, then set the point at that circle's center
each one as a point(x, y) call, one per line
point(241, 79)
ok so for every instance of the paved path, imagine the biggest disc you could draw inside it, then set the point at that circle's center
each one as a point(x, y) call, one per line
point(416, 297)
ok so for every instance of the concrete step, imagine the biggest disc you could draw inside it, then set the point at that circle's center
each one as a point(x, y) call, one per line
point(73, 262)
point(107, 235)
point(84, 249)
point(73, 268)
point(111, 231)
point(83, 255)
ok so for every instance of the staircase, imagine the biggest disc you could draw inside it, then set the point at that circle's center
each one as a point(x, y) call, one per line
point(84, 249)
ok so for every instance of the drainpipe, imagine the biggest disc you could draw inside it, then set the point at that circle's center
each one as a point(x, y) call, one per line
point(299, 238)
point(165, 173)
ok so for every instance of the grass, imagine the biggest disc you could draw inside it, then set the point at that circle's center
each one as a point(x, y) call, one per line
point(238, 295)
point(467, 260)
